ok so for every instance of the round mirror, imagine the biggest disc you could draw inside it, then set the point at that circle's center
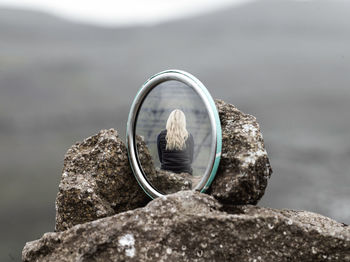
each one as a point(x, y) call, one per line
point(173, 134)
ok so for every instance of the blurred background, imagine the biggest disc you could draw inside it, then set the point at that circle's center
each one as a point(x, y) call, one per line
point(71, 68)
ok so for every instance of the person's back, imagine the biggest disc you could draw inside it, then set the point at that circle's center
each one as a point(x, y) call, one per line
point(175, 160)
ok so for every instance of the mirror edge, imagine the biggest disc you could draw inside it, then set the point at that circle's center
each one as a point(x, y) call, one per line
point(130, 135)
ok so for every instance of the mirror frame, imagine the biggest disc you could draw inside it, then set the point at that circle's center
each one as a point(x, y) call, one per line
point(215, 151)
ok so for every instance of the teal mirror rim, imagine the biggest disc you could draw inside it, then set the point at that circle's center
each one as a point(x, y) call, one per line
point(216, 143)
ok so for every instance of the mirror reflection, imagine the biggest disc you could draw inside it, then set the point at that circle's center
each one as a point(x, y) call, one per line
point(173, 134)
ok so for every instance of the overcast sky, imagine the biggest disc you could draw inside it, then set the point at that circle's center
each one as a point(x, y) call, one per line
point(122, 12)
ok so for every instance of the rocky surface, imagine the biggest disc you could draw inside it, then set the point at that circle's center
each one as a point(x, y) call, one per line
point(190, 226)
point(96, 182)
point(101, 213)
point(168, 182)
point(164, 181)
point(145, 157)
point(244, 167)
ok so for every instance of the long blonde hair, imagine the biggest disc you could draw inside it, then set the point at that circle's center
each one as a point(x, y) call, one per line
point(176, 130)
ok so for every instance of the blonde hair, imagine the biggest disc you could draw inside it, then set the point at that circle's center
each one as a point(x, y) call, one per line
point(176, 130)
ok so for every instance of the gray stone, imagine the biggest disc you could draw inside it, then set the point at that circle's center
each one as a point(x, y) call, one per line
point(96, 182)
point(165, 182)
point(145, 157)
point(244, 168)
point(169, 182)
point(190, 226)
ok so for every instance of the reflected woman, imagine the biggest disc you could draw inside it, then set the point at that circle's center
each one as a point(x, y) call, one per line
point(175, 144)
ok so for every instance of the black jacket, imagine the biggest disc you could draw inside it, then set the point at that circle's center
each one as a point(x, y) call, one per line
point(177, 161)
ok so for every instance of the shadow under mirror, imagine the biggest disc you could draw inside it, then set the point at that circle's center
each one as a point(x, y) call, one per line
point(173, 137)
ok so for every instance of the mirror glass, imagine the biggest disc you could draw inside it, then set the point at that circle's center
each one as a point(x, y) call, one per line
point(174, 128)
point(173, 134)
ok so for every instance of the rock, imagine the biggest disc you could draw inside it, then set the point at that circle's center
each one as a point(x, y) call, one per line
point(190, 226)
point(244, 166)
point(145, 157)
point(164, 181)
point(96, 182)
point(169, 182)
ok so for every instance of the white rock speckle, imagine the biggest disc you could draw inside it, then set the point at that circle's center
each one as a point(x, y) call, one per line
point(128, 242)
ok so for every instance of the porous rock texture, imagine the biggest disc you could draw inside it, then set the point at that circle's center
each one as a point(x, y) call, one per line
point(164, 181)
point(96, 182)
point(190, 226)
point(145, 157)
point(169, 182)
point(244, 167)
